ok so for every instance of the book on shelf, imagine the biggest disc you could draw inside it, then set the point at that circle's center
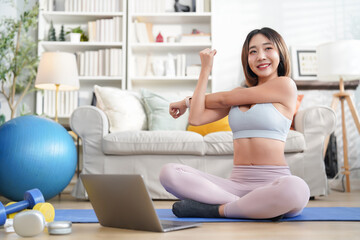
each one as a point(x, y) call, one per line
point(149, 31)
point(47, 5)
point(67, 103)
point(140, 66)
point(91, 5)
point(144, 65)
point(203, 5)
point(104, 62)
point(105, 30)
point(180, 65)
point(146, 6)
point(141, 32)
point(193, 70)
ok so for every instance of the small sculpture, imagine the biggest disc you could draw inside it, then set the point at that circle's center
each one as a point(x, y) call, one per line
point(159, 38)
point(181, 8)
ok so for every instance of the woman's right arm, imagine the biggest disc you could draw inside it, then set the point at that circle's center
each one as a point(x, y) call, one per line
point(199, 113)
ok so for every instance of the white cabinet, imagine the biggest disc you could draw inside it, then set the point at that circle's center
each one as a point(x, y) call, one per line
point(101, 60)
point(162, 66)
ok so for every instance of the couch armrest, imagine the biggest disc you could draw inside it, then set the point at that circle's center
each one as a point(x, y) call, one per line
point(315, 120)
point(91, 125)
point(89, 121)
point(316, 123)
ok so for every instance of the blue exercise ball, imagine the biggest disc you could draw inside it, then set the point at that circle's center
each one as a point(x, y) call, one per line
point(35, 152)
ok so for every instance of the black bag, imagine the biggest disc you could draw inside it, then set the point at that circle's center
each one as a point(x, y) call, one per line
point(331, 163)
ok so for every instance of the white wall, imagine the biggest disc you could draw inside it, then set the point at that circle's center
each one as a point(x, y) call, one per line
point(305, 23)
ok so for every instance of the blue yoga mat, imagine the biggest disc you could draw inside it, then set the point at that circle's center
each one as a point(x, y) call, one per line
point(309, 214)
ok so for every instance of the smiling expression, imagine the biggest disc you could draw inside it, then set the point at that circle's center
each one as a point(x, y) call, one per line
point(263, 57)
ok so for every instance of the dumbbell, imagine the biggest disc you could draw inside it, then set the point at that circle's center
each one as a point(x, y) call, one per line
point(31, 198)
point(12, 215)
point(47, 209)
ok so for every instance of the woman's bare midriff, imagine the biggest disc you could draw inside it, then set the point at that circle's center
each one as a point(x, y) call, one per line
point(259, 151)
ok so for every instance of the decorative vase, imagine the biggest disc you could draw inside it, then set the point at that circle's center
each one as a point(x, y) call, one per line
point(75, 37)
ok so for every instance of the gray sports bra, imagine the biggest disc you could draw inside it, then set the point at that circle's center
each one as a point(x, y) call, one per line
point(263, 120)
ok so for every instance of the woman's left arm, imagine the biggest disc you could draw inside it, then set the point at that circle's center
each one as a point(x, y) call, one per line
point(279, 90)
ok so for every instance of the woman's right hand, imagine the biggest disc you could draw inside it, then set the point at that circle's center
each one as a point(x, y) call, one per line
point(176, 109)
point(207, 58)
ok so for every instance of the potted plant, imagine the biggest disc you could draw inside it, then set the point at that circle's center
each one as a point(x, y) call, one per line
point(18, 57)
point(77, 35)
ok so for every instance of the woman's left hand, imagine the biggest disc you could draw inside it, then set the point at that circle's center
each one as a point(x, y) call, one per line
point(176, 109)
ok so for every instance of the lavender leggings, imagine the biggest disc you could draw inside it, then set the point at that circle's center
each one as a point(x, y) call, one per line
point(250, 192)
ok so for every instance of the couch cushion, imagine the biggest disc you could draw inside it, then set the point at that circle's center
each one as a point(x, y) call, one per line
point(154, 142)
point(295, 142)
point(182, 142)
point(221, 143)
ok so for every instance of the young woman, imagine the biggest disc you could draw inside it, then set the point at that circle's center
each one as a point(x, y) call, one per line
point(261, 185)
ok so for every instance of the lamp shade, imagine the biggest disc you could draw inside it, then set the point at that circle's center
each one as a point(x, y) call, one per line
point(339, 59)
point(57, 68)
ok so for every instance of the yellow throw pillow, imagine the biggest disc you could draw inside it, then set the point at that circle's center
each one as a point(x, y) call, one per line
point(217, 126)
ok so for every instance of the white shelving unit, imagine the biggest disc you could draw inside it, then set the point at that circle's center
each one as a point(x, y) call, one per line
point(163, 19)
point(74, 19)
point(145, 57)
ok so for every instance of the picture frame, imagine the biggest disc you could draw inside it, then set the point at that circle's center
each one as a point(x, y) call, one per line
point(304, 63)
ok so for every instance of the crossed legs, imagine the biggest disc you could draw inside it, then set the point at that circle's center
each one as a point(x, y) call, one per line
point(284, 195)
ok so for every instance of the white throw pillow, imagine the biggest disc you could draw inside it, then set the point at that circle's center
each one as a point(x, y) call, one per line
point(123, 108)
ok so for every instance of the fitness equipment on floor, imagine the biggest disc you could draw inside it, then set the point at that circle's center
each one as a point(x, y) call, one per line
point(32, 223)
point(12, 215)
point(31, 198)
point(47, 209)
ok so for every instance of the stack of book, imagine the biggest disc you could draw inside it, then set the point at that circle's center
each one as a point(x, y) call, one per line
point(104, 62)
point(146, 6)
point(67, 103)
point(105, 30)
point(92, 5)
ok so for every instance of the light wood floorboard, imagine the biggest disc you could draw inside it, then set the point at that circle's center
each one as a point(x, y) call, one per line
point(222, 231)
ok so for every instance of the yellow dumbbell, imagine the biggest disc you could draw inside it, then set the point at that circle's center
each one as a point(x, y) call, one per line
point(12, 215)
point(47, 210)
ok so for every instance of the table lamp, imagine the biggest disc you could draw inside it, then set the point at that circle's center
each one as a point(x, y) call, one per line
point(57, 71)
point(340, 61)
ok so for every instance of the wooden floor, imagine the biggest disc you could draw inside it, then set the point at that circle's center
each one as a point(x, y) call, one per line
point(218, 231)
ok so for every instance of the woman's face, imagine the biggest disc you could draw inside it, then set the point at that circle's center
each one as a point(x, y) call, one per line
point(263, 57)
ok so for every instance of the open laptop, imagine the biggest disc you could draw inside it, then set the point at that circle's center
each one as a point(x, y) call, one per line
point(123, 201)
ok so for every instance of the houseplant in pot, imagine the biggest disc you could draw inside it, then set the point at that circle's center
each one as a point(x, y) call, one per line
point(77, 35)
point(18, 57)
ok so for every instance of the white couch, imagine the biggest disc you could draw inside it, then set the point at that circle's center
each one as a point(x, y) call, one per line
point(145, 152)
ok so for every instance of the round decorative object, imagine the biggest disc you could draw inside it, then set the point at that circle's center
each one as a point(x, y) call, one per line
point(35, 152)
